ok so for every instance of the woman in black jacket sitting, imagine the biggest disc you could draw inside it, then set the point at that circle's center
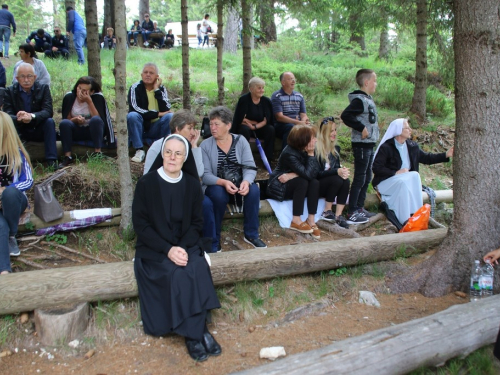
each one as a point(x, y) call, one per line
point(295, 178)
point(333, 178)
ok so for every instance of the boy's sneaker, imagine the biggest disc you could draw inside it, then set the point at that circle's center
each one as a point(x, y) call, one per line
point(342, 222)
point(328, 216)
point(139, 156)
point(66, 161)
point(13, 248)
point(356, 217)
point(367, 213)
point(255, 242)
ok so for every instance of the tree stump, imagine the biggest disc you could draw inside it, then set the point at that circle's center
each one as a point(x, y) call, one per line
point(60, 325)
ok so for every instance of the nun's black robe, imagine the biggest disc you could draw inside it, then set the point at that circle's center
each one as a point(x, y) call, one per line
point(172, 298)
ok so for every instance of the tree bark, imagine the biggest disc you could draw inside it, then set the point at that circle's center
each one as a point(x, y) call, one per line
point(93, 47)
point(186, 88)
point(246, 15)
point(474, 230)
point(143, 9)
point(231, 31)
point(25, 291)
point(220, 51)
point(267, 24)
point(109, 16)
point(430, 341)
point(383, 50)
point(418, 106)
point(71, 46)
point(357, 31)
point(120, 71)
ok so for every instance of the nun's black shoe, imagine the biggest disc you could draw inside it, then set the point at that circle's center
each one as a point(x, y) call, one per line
point(212, 347)
point(196, 350)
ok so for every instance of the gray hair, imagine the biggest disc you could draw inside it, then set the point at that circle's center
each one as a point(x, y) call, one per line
point(25, 65)
point(152, 65)
point(256, 81)
point(222, 113)
point(180, 119)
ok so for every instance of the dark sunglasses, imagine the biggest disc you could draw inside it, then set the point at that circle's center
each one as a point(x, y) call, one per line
point(326, 120)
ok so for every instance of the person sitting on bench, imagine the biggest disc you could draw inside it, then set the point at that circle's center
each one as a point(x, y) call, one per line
point(395, 168)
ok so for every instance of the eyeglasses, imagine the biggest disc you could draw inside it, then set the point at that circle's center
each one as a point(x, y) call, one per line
point(29, 76)
point(326, 120)
point(57, 31)
point(177, 154)
point(146, 16)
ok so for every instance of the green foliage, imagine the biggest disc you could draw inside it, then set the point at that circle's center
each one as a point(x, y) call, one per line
point(7, 328)
point(61, 239)
point(339, 271)
point(29, 226)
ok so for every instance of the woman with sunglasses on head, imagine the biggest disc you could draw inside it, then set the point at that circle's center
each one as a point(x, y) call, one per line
point(333, 178)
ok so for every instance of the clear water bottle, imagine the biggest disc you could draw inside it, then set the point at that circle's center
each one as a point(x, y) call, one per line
point(487, 280)
point(475, 279)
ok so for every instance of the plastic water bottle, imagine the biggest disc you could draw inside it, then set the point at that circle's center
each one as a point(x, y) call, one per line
point(487, 280)
point(475, 279)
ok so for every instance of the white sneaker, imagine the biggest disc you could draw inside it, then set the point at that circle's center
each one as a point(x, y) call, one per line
point(146, 44)
point(139, 156)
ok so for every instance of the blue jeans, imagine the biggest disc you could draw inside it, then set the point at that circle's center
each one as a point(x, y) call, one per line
point(78, 41)
point(71, 132)
point(14, 203)
point(44, 132)
point(133, 34)
point(220, 198)
point(363, 160)
point(157, 130)
point(209, 222)
point(5, 35)
point(145, 34)
point(282, 130)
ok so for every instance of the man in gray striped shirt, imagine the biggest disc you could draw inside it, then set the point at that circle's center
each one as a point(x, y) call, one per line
point(289, 107)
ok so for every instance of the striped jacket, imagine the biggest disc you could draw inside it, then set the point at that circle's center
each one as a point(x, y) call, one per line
point(23, 180)
point(138, 102)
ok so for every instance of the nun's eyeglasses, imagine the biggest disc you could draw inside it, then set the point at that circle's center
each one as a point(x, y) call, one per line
point(177, 154)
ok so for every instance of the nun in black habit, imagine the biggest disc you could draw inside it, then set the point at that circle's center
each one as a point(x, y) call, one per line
point(175, 284)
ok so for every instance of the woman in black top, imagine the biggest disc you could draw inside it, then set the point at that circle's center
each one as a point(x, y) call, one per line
point(254, 113)
point(175, 284)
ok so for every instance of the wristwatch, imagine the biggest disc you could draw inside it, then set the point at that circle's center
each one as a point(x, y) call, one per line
point(33, 116)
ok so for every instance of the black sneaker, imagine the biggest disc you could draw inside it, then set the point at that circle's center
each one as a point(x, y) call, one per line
point(367, 213)
point(66, 161)
point(255, 242)
point(342, 222)
point(328, 216)
point(356, 217)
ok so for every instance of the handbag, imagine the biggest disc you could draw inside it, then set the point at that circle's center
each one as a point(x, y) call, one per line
point(232, 174)
point(205, 128)
point(47, 207)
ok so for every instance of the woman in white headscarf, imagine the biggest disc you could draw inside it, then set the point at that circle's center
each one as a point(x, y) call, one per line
point(175, 285)
point(395, 169)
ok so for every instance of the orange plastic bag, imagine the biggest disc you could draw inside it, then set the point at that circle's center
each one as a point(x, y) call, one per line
point(419, 220)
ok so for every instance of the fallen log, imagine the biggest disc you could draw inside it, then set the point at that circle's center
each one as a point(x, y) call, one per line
point(26, 291)
point(424, 342)
point(445, 196)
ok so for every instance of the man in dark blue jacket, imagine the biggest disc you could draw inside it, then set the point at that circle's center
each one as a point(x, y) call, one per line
point(59, 45)
point(6, 21)
point(40, 40)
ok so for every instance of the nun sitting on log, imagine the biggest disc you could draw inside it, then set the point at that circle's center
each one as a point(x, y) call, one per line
point(176, 290)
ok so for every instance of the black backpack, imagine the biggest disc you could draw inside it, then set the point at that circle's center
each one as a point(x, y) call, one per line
point(209, 29)
point(205, 128)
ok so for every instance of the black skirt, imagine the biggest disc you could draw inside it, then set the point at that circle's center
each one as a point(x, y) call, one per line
point(175, 299)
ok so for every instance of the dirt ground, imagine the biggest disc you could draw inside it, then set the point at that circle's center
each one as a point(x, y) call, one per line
point(241, 341)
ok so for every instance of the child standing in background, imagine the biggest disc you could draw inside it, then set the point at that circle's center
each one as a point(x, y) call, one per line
point(198, 34)
point(361, 116)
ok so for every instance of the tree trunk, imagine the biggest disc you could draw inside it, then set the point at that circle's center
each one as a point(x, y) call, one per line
point(93, 47)
point(246, 15)
point(231, 31)
point(26, 291)
point(418, 106)
point(120, 71)
point(143, 8)
point(267, 24)
point(55, 7)
point(220, 49)
point(400, 349)
point(474, 230)
point(357, 31)
point(71, 46)
point(383, 50)
point(186, 88)
point(109, 16)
